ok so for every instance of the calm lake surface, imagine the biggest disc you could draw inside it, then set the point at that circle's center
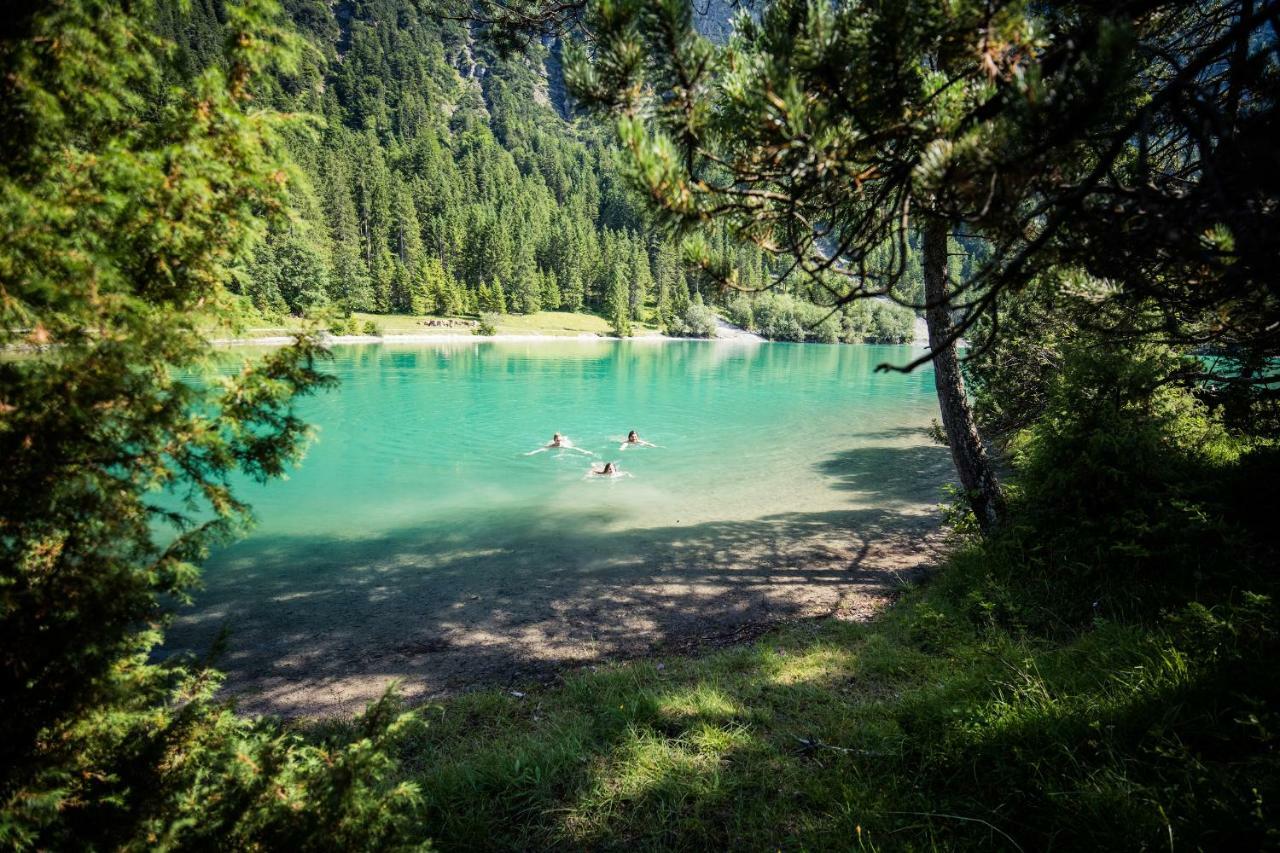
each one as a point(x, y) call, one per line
point(419, 540)
point(418, 433)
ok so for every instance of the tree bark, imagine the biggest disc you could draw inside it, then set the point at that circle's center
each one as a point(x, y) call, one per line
point(977, 476)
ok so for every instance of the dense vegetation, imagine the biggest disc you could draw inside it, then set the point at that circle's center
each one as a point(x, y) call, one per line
point(439, 177)
point(1093, 668)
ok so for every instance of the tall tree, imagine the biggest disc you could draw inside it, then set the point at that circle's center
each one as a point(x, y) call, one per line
point(1130, 140)
point(132, 205)
point(968, 452)
point(618, 301)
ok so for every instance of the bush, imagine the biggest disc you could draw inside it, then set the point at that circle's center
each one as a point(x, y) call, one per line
point(740, 312)
point(371, 328)
point(201, 776)
point(100, 747)
point(827, 331)
point(876, 321)
point(488, 325)
point(698, 321)
point(345, 326)
point(890, 323)
point(1120, 485)
point(780, 317)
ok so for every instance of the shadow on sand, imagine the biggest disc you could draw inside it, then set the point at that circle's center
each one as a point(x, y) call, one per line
point(320, 625)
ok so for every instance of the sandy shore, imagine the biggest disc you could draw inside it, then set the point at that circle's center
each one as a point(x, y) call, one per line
point(450, 337)
point(320, 627)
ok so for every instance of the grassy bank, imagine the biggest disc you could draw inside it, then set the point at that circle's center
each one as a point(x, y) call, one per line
point(931, 727)
point(549, 323)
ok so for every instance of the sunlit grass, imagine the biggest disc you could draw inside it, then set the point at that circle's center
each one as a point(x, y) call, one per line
point(549, 323)
point(822, 735)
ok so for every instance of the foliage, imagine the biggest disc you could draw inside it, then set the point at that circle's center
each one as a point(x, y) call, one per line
point(1120, 478)
point(132, 206)
point(780, 317)
point(345, 326)
point(1010, 376)
point(618, 303)
point(1117, 736)
point(488, 324)
point(696, 321)
point(1070, 136)
point(441, 176)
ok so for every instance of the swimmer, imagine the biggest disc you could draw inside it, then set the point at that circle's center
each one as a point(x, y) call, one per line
point(634, 440)
point(610, 469)
point(559, 442)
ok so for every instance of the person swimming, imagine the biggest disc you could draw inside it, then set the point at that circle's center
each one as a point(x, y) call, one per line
point(634, 440)
point(559, 442)
point(610, 469)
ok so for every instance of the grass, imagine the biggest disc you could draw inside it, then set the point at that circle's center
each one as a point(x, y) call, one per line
point(926, 729)
point(549, 323)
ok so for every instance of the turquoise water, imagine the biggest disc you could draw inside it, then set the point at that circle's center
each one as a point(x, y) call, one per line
point(420, 541)
point(419, 433)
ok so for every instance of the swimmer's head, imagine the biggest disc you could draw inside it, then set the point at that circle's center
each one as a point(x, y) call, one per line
point(631, 436)
point(555, 437)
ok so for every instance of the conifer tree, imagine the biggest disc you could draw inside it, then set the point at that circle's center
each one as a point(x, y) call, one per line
point(642, 279)
point(573, 292)
point(551, 298)
point(834, 131)
point(618, 301)
point(138, 204)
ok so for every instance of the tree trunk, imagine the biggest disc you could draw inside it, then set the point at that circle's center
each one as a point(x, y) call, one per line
point(978, 478)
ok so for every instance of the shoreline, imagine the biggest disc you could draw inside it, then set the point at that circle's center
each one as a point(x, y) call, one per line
point(444, 634)
point(278, 340)
point(586, 337)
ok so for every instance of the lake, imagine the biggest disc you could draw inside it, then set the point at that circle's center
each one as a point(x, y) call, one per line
point(421, 539)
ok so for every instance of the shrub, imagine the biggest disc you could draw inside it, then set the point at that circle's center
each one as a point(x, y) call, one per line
point(740, 311)
point(101, 748)
point(371, 328)
point(779, 317)
point(345, 326)
point(890, 323)
point(827, 331)
point(698, 321)
point(1121, 480)
point(488, 325)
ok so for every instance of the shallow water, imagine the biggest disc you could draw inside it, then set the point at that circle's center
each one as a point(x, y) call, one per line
point(419, 540)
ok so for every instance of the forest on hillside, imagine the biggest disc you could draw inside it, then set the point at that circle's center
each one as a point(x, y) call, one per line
point(440, 177)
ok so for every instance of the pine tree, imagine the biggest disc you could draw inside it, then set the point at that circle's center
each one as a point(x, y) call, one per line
point(641, 281)
point(551, 297)
point(302, 275)
point(573, 293)
point(500, 303)
point(618, 302)
point(101, 747)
